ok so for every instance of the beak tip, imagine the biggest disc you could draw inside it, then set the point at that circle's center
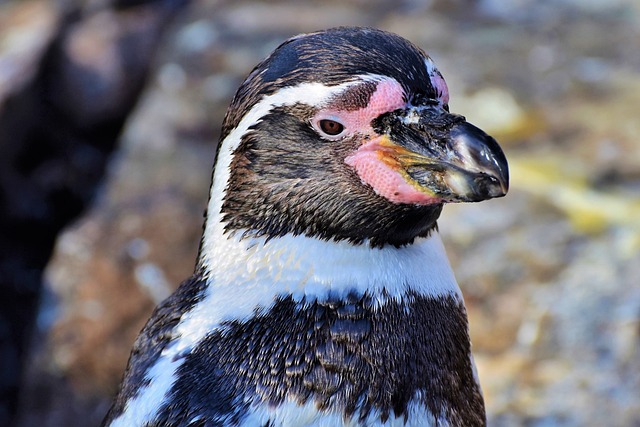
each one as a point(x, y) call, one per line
point(489, 187)
point(491, 164)
point(501, 187)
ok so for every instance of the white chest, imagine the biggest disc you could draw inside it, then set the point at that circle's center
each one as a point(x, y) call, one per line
point(293, 415)
point(247, 273)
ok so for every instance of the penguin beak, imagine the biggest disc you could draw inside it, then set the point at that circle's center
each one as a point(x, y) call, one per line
point(442, 155)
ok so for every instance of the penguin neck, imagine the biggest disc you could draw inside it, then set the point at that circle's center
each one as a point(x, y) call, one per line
point(245, 272)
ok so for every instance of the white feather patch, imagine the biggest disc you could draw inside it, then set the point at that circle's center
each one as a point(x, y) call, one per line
point(291, 414)
point(144, 407)
point(250, 272)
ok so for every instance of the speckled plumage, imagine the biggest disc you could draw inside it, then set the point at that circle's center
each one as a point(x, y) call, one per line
point(341, 354)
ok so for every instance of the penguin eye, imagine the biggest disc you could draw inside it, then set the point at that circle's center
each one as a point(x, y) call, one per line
point(331, 127)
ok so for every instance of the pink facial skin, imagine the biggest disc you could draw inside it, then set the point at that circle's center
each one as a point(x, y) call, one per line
point(369, 160)
point(388, 96)
point(385, 181)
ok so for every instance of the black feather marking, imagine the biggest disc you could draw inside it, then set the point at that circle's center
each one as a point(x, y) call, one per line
point(375, 361)
point(354, 98)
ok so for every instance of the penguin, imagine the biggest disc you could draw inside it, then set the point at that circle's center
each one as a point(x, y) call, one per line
point(322, 294)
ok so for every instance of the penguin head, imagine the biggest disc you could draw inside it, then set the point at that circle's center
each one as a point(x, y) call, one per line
point(346, 134)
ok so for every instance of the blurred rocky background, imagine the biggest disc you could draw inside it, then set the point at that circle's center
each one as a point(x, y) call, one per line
point(109, 116)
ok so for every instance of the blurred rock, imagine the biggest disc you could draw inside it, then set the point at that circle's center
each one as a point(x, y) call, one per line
point(499, 114)
point(103, 60)
point(26, 30)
